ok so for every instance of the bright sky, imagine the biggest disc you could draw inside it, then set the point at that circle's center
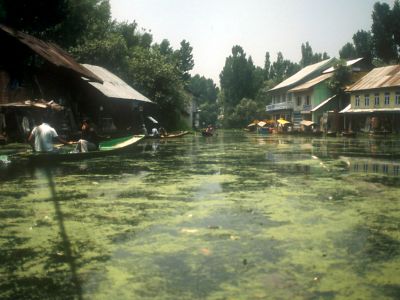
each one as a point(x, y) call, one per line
point(213, 27)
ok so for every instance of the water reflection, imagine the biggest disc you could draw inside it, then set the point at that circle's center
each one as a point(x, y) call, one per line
point(227, 217)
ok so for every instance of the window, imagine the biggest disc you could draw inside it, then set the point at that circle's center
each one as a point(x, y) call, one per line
point(366, 100)
point(357, 100)
point(298, 101)
point(396, 170)
point(397, 98)
point(387, 98)
point(376, 102)
point(308, 100)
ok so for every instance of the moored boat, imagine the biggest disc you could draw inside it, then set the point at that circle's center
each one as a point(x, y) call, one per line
point(106, 148)
point(169, 136)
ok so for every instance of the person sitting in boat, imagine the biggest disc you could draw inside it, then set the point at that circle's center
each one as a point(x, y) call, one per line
point(144, 130)
point(209, 131)
point(89, 140)
point(154, 132)
point(162, 131)
point(43, 136)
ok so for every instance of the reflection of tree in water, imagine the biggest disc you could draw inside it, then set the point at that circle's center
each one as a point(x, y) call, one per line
point(65, 243)
point(58, 281)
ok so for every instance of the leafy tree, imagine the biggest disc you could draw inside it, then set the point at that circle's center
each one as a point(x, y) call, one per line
point(150, 72)
point(205, 94)
point(128, 31)
point(185, 62)
point(363, 45)
point(236, 77)
point(383, 32)
point(110, 53)
point(282, 68)
point(396, 24)
point(308, 57)
point(348, 51)
point(34, 17)
point(340, 78)
point(244, 113)
point(165, 48)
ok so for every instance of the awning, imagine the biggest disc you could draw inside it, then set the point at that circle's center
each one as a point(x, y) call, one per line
point(307, 123)
point(323, 103)
point(42, 104)
point(152, 119)
point(282, 121)
point(261, 123)
point(346, 109)
point(349, 110)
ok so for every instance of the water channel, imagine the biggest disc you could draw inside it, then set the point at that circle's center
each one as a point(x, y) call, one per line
point(234, 216)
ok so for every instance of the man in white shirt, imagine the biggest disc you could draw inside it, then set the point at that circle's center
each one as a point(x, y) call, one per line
point(154, 132)
point(44, 135)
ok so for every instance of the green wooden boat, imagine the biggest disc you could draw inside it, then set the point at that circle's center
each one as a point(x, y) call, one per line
point(109, 147)
point(169, 136)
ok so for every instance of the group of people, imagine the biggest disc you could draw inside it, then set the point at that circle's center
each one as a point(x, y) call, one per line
point(42, 137)
point(154, 132)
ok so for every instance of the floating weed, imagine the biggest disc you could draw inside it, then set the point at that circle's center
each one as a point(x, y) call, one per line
point(232, 217)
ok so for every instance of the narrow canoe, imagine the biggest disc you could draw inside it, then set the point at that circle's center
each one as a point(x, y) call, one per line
point(106, 148)
point(169, 136)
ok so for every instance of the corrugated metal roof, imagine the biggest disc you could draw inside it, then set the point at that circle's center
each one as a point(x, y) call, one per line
point(113, 86)
point(50, 52)
point(378, 78)
point(306, 71)
point(311, 83)
point(348, 63)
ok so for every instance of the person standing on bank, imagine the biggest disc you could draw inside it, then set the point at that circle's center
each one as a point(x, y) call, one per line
point(43, 136)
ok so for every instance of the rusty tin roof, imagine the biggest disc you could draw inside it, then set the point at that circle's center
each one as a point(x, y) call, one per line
point(383, 77)
point(50, 52)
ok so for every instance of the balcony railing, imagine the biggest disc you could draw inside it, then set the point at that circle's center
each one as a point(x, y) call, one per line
point(279, 106)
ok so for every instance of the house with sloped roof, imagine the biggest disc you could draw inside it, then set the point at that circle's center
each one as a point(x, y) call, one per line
point(313, 98)
point(39, 78)
point(283, 100)
point(375, 102)
point(113, 105)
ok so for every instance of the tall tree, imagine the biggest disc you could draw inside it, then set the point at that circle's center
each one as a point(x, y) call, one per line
point(306, 55)
point(363, 45)
point(282, 68)
point(236, 77)
point(185, 62)
point(382, 30)
point(348, 51)
point(340, 79)
point(205, 94)
point(267, 66)
point(396, 25)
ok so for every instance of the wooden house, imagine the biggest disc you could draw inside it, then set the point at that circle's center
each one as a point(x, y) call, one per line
point(375, 102)
point(38, 77)
point(283, 101)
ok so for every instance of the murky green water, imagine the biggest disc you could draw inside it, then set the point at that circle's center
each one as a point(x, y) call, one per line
point(236, 216)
